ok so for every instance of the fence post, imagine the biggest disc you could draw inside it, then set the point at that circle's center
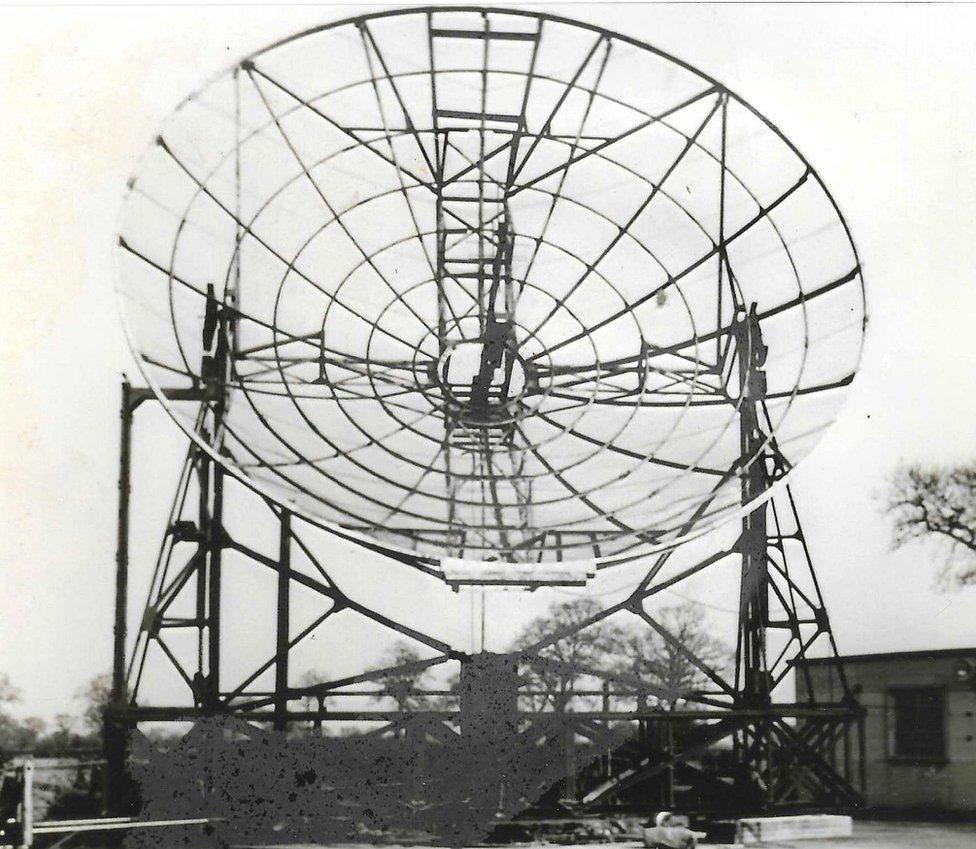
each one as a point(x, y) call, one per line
point(27, 804)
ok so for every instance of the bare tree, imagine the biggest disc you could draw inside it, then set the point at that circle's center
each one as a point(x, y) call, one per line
point(938, 503)
point(582, 648)
point(668, 666)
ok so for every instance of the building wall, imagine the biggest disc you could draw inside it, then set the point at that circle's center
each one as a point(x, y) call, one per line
point(949, 785)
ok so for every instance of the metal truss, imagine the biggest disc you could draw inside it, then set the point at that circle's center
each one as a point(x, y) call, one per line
point(730, 747)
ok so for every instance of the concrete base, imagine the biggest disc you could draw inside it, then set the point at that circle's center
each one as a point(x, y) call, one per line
point(807, 826)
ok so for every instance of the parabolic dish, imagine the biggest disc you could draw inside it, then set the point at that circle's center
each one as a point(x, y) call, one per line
point(481, 285)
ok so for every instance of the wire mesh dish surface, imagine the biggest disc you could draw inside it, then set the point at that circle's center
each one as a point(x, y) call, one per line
point(489, 286)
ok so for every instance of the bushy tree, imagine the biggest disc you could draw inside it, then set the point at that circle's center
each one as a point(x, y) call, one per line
point(311, 678)
point(402, 683)
point(95, 697)
point(314, 701)
point(17, 736)
point(8, 692)
point(938, 503)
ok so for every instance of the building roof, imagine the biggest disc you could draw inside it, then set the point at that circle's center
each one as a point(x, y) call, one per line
point(920, 654)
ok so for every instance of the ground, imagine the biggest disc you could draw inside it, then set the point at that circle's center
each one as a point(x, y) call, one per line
point(883, 835)
point(867, 835)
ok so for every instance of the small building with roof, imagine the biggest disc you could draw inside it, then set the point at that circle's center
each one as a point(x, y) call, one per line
point(919, 747)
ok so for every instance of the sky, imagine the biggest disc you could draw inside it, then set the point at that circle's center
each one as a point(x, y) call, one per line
point(878, 98)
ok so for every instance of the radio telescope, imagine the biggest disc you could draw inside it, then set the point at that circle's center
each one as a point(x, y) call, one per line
point(506, 298)
point(487, 286)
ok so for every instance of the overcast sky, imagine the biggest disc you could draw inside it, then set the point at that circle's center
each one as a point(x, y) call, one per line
point(878, 98)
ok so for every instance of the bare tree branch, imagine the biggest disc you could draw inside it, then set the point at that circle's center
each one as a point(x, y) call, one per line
point(940, 503)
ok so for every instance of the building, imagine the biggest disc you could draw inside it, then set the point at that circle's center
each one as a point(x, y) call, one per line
point(919, 744)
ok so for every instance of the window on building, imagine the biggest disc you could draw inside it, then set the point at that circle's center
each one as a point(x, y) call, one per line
point(918, 724)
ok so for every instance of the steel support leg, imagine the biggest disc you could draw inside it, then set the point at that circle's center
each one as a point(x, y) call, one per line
point(281, 642)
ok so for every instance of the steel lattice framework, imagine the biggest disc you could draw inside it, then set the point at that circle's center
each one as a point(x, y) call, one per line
point(506, 298)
